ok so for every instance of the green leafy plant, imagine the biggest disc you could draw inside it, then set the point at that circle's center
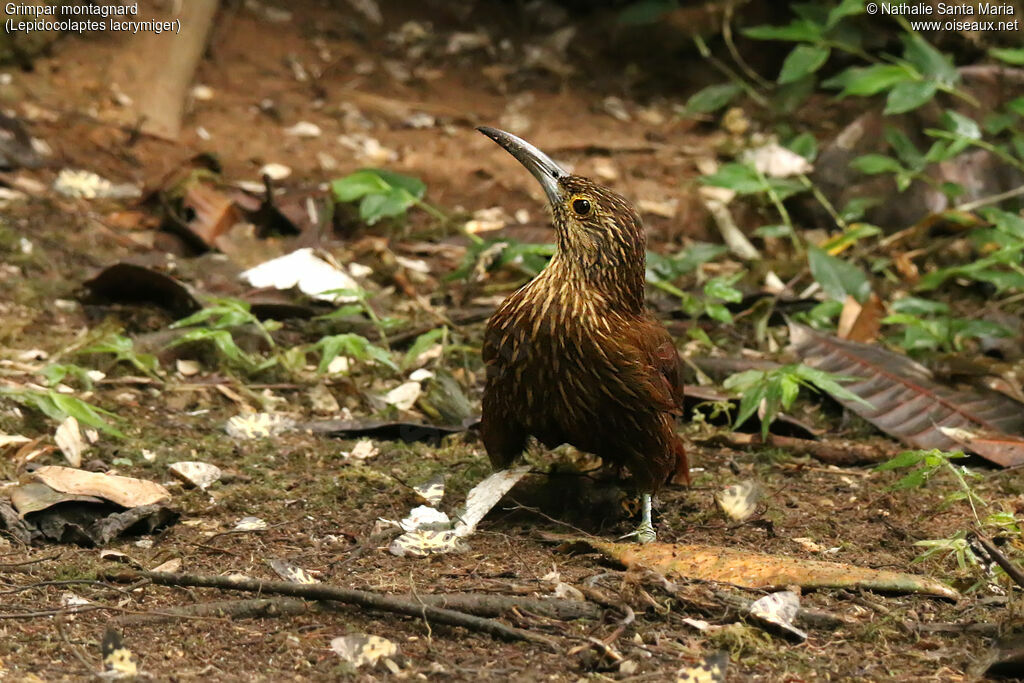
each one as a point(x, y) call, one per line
point(215, 324)
point(59, 406)
point(352, 346)
point(361, 306)
point(928, 325)
point(718, 291)
point(778, 389)
point(382, 194)
point(925, 465)
point(486, 255)
point(123, 350)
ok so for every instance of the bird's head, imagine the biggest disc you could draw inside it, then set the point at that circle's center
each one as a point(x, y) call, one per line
point(598, 230)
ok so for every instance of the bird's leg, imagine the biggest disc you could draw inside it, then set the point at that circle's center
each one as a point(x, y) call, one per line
point(645, 532)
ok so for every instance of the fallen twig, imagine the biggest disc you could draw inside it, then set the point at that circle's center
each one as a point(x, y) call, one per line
point(256, 608)
point(1007, 565)
point(384, 603)
point(847, 454)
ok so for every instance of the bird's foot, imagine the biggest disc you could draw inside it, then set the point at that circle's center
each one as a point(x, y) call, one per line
point(645, 532)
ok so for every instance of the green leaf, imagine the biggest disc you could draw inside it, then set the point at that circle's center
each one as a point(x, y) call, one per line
point(1016, 105)
point(712, 98)
point(422, 343)
point(805, 145)
point(740, 178)
point(962, 126)
point(802, 61)
point(855, 208)
point(929, 61)
point(870, 80)
point(837, 278)
point(844, 9)
point(904, 459)
point(908, 96)
point(918, 306)
point(780, 230)
point(718, 312)
point(646, 12)
point(798, 30)
point(357, 185)
point(873, 164)
point(1010, 55)
point(353, 345)
point(722, 288)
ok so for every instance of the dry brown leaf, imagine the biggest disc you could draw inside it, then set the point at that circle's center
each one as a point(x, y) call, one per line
point(905, 400)
point(861, 322)
point(125, 491)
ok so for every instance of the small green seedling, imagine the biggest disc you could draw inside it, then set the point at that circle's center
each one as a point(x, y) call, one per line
point(382, 194)
point(778, 389)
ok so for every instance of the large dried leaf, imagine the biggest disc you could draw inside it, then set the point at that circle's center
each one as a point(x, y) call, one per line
point(906, 401)
point(756, 570)
point(125, 491)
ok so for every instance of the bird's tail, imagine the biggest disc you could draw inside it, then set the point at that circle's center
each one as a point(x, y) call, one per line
point(681, 475)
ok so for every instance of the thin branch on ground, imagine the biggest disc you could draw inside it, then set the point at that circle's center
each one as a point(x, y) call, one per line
point(377, 601)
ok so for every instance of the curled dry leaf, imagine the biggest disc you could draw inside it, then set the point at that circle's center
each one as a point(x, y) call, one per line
point(779, 609)
point(861, 322)
point(70, 442)
point(125, 491)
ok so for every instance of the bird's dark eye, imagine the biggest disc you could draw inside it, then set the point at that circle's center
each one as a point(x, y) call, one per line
point(581, 207)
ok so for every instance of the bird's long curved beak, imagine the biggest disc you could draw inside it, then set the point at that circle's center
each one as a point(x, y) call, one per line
point(546, 171)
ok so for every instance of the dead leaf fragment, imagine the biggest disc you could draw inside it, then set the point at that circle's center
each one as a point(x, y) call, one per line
point(69, 440)
point(711, 670)
point(291, 572)
point(359, 649)
point(1003, 449)
point(313, 276)
point(425, 542)
point(117, 658)
point(779, 609)
point(197, 474)
point(861, 323)
point(739, 501)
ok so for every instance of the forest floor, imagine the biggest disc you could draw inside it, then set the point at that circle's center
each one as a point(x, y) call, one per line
point(321, 508)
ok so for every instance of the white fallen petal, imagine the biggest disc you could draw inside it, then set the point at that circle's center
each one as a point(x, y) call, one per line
point(404, 396)
point(775, 161)
point(301, 268)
